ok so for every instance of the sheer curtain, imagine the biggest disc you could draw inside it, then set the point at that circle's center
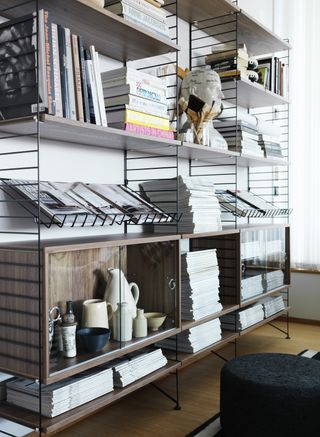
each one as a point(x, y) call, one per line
point(300, 21)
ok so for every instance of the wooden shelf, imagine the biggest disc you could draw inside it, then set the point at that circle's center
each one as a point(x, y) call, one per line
point(55, 424)
point(66, 367)
point(258, 38)
point(110, 34)
point(247, 302)
point(190, 324)
point(264, 321)
point(210, 234)
point(251, 94)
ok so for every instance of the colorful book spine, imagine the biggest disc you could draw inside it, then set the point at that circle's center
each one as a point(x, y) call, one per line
point(43, 87)
point(137, 88)
point(142, 119)
point(139, 104)
point(56, 69)
point(49, 63)
point(149, 131)
point(84, 82)
point(77, 77)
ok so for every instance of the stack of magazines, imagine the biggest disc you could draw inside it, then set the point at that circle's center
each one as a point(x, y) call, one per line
point(199, 284)
point(197, 201)
point(240, 320)
point(194, 339)
point(145, 13)
point(272, 305)
point(80, 204)
point(61, 396)
point(136, 102)
point(136, 366)
point(251, 284)
point(273, 279)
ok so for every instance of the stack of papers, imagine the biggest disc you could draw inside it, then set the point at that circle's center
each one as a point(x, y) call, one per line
point(272, 305)
point(194, 197)
point(137, 366)
point(251, 285)
point(61, 396)
point(199, 284)
point(194, 339)
point(273, 279)
point(241, 320)
point(4, 378)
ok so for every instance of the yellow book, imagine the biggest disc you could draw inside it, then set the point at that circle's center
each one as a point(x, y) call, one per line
point(139, 118)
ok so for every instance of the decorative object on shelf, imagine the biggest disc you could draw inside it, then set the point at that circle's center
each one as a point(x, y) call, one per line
point(140, 324)
point(93, 339)
point(69, 340)
point(122, 322)
point(200, 99)
point(52, 320)
point(96, 313)
point(69, 318)
point(99, 3)
point(119, 289)
point(155, 320)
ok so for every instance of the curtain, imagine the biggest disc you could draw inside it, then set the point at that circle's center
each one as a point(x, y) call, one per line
point(300, 21)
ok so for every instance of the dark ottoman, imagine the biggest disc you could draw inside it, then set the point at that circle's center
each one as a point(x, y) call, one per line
point(270, 395)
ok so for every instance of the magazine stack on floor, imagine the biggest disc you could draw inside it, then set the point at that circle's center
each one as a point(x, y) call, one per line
point(138, 365)
point(197, 202)
point(241, 320)
point(272, 305)
point(196, 338)
point(136, 102)
point(61, 396)
point(199, 284)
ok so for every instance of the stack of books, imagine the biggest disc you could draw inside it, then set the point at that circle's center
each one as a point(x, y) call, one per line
point(241, 136)
point(273, 75)
point(272, 305)
point(145, 13)
point(137, 366)
point(61, 396)
point(271, 146)
point(199, 284)
point(228, 61)
point(251, 285)
point(69, 74)
point(194, 339)
point(240, 320)
point(136, 102)
point(251, 249)
point(197, 201)
point(4, 378)
point(273, 279)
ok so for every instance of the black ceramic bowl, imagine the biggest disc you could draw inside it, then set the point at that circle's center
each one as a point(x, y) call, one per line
point(92, 339)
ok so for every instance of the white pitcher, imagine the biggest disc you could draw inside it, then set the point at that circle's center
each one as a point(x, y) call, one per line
point(129, 292)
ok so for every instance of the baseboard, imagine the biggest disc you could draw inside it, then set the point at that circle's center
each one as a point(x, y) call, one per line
point(298, 320)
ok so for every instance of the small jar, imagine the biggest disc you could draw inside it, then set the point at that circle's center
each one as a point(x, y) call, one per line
point(140, 328)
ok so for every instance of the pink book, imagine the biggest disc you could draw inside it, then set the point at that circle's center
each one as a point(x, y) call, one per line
point(149, 131)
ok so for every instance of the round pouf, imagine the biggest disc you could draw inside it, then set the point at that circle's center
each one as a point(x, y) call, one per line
point(270, 395)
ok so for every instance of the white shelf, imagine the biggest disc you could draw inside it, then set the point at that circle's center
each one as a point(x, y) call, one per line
point(251, 94)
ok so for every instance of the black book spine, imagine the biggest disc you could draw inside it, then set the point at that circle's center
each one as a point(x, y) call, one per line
point(84, 81)
point(63, 72)
point(87, 57)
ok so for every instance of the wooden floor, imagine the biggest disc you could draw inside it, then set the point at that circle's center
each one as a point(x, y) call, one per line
point(147, 412)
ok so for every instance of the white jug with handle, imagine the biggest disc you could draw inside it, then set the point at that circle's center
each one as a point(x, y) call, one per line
point(118, 290)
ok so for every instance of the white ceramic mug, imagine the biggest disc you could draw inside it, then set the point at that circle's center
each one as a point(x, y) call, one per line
point(96, 313)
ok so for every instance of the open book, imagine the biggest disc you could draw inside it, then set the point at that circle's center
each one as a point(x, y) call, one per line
point(80, 204)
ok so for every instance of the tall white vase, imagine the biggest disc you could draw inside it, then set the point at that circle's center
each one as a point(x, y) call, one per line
point(118, 290)
point(122, 323)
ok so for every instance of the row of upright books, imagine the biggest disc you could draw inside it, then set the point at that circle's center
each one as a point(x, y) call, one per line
point(69, 79)
point(63, 396)
point(145, 13)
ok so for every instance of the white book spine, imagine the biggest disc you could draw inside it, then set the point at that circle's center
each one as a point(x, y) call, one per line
point(142, 6)
point(56, 69)
point(93, 87)
point(141, 89)
point(97, 76)
point(130, 12)
point(142, 105)
point(70, 75)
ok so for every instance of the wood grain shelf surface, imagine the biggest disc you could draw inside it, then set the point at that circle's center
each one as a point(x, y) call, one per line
point(190, 324)
point(247, 302)
point(66, 367)
point(110, 34)
point(55, 424)
point(264, 321)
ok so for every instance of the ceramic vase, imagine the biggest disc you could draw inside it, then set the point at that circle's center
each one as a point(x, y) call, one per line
point(122, 322)
point(99, 3)
point(119, 290)
point(140, 328)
